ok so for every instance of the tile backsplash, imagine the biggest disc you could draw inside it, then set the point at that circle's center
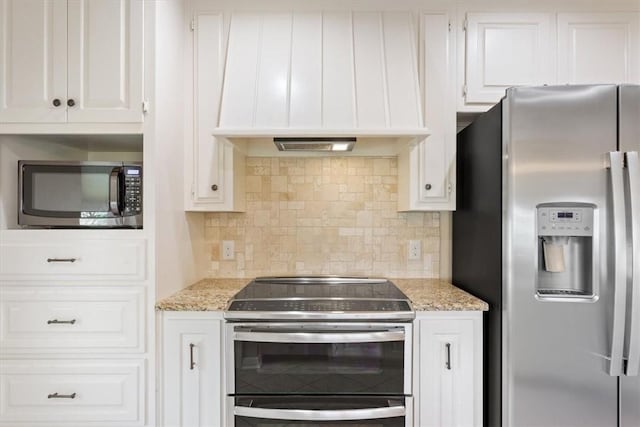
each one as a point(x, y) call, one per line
point(333, 215)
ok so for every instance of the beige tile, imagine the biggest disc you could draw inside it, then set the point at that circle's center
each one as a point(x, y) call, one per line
point(322, 216)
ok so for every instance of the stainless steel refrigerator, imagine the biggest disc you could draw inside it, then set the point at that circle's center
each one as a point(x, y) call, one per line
point(547, 231)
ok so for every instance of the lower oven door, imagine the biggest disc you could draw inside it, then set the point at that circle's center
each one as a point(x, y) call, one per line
point(319, 359)
point(296, 411)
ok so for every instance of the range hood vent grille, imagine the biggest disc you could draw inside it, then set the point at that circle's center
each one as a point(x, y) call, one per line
point(314, 144)
point(321, 73)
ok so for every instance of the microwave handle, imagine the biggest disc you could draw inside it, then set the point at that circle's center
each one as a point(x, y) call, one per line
point(114, 192)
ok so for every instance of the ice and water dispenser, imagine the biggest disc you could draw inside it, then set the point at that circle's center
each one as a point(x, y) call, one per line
point(565, 234)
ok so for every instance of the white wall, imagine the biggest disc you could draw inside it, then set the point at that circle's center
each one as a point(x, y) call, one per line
point(178, 236)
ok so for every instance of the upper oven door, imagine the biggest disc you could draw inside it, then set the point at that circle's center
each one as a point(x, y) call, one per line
point(320, 358)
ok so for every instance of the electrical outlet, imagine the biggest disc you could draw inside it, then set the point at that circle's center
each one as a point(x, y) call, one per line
point(415, 249)
point(227, 249)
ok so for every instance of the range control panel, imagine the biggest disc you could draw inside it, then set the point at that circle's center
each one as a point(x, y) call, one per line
point(558, 220)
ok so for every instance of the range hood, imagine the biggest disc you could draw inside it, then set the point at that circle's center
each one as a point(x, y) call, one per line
point(321, 75)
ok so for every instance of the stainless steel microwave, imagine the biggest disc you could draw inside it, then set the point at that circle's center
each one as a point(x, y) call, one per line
point(79, 194)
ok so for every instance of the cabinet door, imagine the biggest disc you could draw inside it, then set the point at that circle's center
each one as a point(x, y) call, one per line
point(192, 372)
point(449, 391)
point(33, 49)
point(506, 49)
point(598, 48)
point(427, 168)
point(105, 60)
point(212, 162)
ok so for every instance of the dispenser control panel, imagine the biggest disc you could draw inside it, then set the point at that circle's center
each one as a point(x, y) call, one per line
point(565, 221)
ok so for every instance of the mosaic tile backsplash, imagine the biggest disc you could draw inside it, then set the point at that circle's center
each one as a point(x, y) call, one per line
point(334, 215)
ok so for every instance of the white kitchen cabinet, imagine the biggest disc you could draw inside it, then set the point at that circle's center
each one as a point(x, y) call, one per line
point(503, 50)
point(214, 167)
point(448, 369)
point(426, 171)
point(73, 321)
point(598, 48)
point(44, 256)
point(61, 319)
point(75, 61)
point(192, 384)
point(77, 393)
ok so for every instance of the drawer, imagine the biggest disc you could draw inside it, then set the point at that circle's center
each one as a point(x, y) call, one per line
point(107, 393)
point(73, 259)
point(64, 319)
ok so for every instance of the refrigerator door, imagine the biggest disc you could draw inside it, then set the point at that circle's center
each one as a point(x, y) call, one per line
point(555, 350)
point(629, 106)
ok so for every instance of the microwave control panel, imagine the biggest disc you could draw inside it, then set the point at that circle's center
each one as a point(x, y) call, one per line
point(132, 190)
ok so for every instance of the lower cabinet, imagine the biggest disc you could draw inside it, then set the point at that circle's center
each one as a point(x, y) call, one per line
point(447, 379)
point(192, 393)
point(105, 393)
point(448, 369)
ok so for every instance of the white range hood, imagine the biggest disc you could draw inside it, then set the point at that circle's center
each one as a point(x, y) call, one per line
point(321, 74)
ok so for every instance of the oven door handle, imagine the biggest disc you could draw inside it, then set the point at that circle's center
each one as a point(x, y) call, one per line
point(114, 192)
point(320, 415)
point(320, 337)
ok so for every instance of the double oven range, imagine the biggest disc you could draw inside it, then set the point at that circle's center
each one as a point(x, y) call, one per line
point(319, 351)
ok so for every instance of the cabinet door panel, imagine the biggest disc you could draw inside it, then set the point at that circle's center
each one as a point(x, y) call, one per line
point(446, 384)
point(105, 60)
point(192, 353)
point(33, 53)
point(105, 392)
point(598, 48)
point(208, 63)
point(504, 50)
point(64, 319)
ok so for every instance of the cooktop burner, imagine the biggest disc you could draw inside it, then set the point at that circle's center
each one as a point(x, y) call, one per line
point(323, 297)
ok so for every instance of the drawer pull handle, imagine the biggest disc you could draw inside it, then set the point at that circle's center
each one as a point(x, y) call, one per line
point(62, 259)
point(448, 364)
point(61, 322)
point(192, 363)
point(61, 396)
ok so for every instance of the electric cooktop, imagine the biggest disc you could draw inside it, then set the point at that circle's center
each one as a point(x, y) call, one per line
point(320, 297)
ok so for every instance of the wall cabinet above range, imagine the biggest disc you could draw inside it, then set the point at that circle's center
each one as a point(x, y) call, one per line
point(71, 61)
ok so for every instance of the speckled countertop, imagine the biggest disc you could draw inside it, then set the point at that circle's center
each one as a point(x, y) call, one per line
point(425, 294)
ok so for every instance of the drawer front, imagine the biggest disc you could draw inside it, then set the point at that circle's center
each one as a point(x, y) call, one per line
point(73, 259)
point(63, 319)
point(61, 392)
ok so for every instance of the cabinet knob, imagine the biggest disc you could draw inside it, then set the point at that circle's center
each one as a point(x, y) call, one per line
point(214, 187)
point(56, 102)
point(427, 187)
point(71, 102)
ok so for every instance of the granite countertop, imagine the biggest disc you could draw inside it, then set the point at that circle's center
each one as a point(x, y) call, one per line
point(425, 294)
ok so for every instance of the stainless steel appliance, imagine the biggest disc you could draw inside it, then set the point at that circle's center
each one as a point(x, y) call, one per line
point(319, 351)
point(547, 230)
point(79, 194)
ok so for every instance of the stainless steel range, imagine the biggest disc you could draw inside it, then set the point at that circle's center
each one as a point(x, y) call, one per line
point(319, 351)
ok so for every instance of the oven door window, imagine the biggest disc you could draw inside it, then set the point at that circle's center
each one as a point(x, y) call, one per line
point(293, 411)
point(66, 191)
point(319, 368)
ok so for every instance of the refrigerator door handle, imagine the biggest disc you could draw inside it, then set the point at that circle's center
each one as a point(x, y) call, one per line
point(633, 168)
point(616, 161)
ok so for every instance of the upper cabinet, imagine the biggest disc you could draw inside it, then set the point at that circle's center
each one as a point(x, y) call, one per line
point(503, 50)
point(214, 167)
point(426, 171)
point(75, 61)
point(598, 48)
point(500, 50)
